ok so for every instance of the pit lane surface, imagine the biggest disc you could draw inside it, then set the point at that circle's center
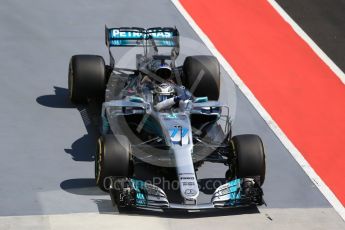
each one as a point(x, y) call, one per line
point(48, 144)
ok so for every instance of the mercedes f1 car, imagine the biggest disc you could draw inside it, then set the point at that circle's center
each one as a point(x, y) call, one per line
point(167, 116)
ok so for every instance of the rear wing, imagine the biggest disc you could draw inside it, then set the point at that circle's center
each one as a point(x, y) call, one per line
point(135, 36)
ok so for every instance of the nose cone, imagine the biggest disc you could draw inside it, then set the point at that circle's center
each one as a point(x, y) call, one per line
point(186, 174)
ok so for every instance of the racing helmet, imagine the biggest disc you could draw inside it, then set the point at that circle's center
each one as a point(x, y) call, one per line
point(164, 91)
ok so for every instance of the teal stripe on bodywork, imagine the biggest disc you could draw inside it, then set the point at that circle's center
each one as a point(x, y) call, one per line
point(234, 191)
point(139, 187)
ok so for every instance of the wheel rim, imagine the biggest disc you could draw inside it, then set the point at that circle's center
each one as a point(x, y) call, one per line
point(70, 81)
point(98, 159)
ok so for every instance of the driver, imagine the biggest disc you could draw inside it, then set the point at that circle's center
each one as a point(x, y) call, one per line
point(167, 92)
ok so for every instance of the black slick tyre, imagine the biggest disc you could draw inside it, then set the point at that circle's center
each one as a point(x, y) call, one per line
point(86, 78)
point(113, 158)
point(250, 157)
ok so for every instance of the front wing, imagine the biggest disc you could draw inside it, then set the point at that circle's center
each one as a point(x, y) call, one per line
point(129, 192)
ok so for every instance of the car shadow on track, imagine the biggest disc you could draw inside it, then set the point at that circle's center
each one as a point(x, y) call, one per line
point(82, 186)
point(105, 207)
point(82, 149)
point(58, 100)
point(182, 214)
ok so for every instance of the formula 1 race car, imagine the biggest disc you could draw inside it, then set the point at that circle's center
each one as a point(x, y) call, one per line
point(166, 116)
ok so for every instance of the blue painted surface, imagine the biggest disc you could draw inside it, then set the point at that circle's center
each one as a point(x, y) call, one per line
point(135, 38)
point(136, 99)
point(105, 128)
point(140, 197)
point(201, 99)
point(234, 192)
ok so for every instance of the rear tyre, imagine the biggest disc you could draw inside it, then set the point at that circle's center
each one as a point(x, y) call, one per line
point(113, 158)
point(86, 78)
point(250, 155)
point(202, 76)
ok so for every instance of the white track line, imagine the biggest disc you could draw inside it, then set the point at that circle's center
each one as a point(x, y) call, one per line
point(264, 114)
point(340, 74)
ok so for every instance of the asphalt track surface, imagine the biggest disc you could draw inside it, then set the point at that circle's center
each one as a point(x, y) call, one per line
point(48, 144)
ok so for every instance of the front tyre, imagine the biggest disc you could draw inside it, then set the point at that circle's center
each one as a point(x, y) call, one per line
point(113, 158)
point(250, 157)
point(86, 78)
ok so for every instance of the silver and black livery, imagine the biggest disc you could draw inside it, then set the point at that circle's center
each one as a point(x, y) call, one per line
point(167, 116)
